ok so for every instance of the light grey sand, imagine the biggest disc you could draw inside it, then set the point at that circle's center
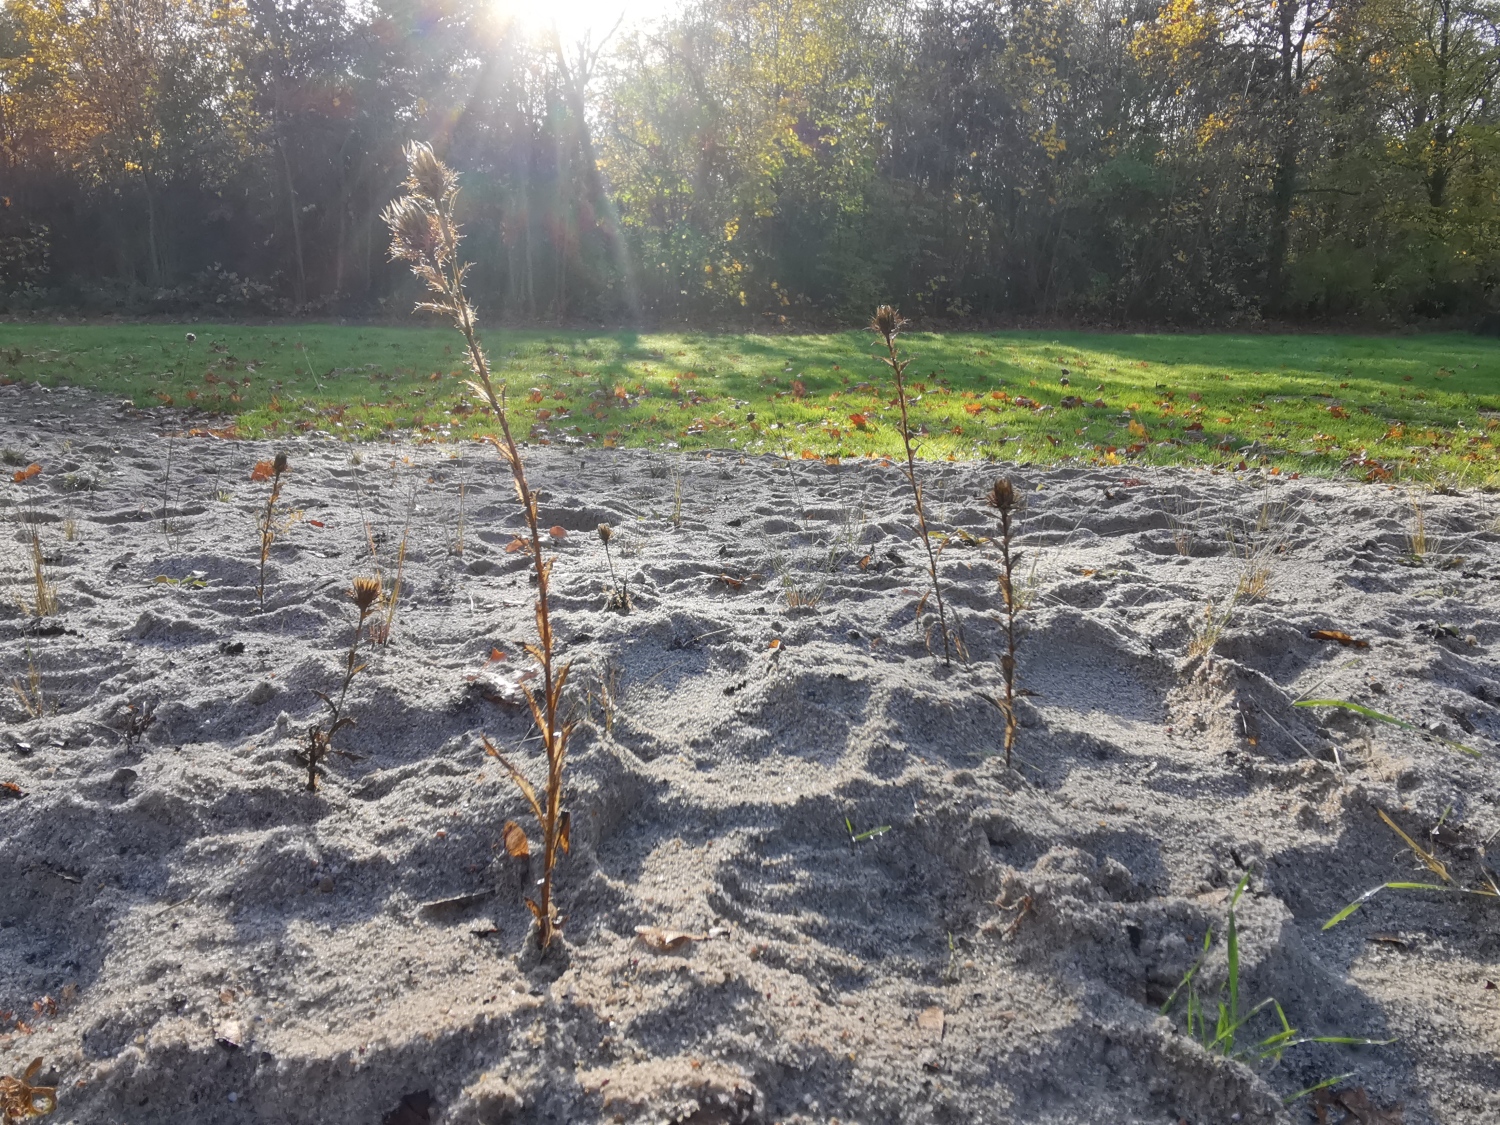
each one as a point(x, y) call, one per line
point(223, 946)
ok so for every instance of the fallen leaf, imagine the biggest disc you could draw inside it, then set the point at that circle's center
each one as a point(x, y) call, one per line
point(775, 643)
point(264, 470)
point(12, 790)
point(931, 1020)
point(558, 531)
point(732, 583)
point(516, 544)
point(27, 473)
point(496, 654)
point(659, 940)
point(1335, 635)
point(864, 563)
point(516, 842)
point(316, 523)
point(860, 420)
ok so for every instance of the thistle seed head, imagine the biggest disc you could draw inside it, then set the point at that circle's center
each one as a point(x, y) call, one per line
point(1003, 495)
point(605, 533)
point(887, 321)
point(427, 175)
point(366, 592)
point(278, 466)
point(414, 229)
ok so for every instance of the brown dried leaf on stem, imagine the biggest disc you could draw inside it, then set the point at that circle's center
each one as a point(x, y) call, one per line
point(19, 1099)
point(887, 324)
point(425, 235)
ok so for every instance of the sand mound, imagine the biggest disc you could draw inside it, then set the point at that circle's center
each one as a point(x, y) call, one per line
point(188, 935)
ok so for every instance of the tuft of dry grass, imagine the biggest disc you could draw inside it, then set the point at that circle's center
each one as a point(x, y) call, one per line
point(1417, 542)
point(1258, 547)
point(366, 595)
point(29, 691)
point(887, 323)
point(426, 235)
point(268, 523)
point(44, 593)
point(1211, 626)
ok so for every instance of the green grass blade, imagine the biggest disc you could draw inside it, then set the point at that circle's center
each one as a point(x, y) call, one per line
point(1382, 717)
point(1372, 892)
point(1323, 1085)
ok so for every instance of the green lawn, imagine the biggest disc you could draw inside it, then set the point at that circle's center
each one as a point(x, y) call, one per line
point(1376, 407)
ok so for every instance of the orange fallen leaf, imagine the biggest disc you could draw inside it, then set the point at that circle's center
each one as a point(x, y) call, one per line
point(775, 643)
point(860, 420)
point(731, 582)
point(558, 531)
point(264, 470)
point(1337, 635)
point(516, 544)
point(316, 523)
point(27, 473)
point(515, 840)
point(11, 789)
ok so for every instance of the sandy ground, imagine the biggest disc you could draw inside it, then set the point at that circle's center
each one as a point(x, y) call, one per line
point(188, 935)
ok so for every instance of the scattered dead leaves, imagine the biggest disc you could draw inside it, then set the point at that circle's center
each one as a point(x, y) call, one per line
point(1337, 635)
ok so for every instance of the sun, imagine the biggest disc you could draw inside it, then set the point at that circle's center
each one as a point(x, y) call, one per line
point(575, 19)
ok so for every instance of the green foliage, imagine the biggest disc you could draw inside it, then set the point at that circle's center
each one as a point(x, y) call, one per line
point(771, 161)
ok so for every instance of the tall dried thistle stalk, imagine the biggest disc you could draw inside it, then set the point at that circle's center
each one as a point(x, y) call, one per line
point(425, 234)
point(888, 324)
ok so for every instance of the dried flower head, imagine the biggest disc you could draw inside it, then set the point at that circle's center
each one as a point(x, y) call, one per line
point(278, 466)
point(1003, 495)
point(426, 174)
point(415, 236)
point(605, 533)
point(366, 592)
point(887, 322)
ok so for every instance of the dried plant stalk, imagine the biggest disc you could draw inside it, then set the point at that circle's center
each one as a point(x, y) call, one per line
point(425, 234)
point(273, 471)
point(888, 324)
point(1003, 500)
point(366, 595)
